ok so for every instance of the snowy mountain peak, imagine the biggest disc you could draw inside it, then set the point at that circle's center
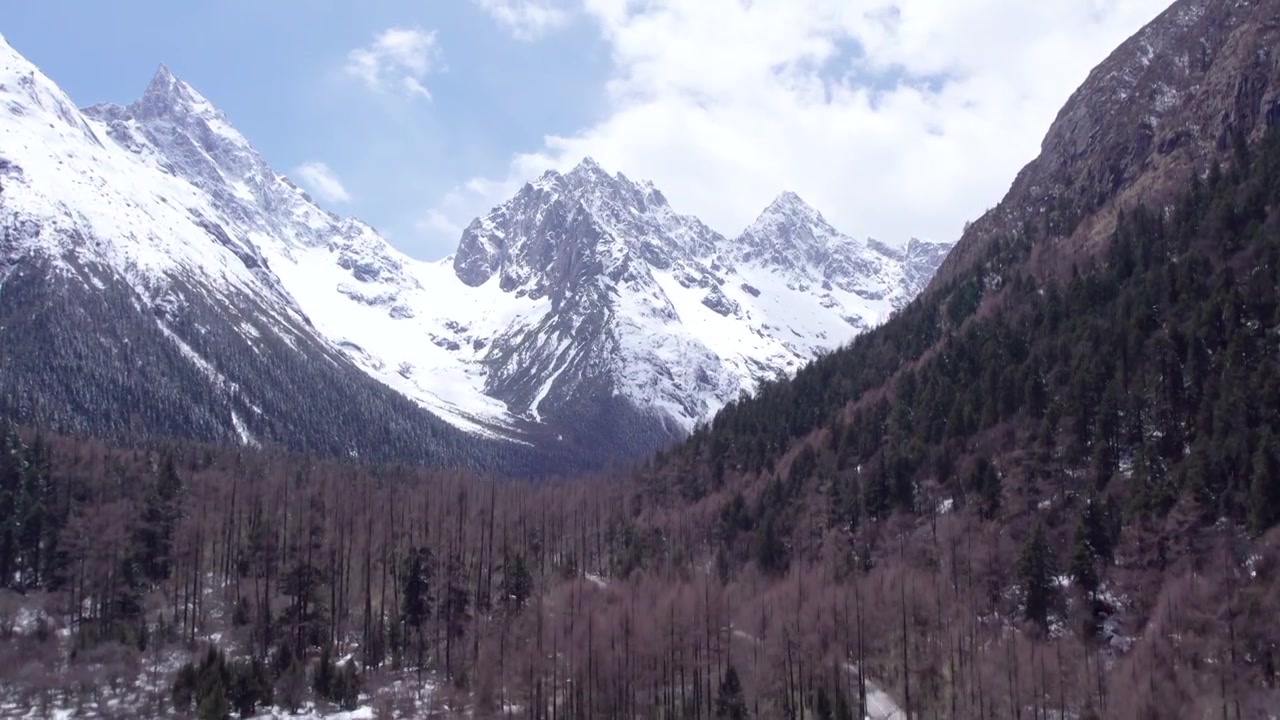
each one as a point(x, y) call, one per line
point(788, 200)
point(585, 221)
point(794, 239)
point(166, 97)
point(790, 209)
point(587, 172)
point(162, 82)
point(588, 165)
point(589, 178)
point(789, 233)
point(583, 306)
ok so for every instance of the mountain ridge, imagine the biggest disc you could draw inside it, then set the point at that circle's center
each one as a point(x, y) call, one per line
point(1147, 118)
point(599, 322)
point(1077, 418)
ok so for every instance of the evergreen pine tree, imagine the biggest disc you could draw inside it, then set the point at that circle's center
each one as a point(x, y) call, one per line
point(876, 495)
point(415, 604)
point(291, 685)
point(13, 467)
point(347, 686)
point(250, 686)
point(1264, 487)
point(214, 706)
point(984, 481)
point(1082, 565)
point(517, 584)
point(1036, 570)
point(730, 702)
point(843, 710)
point(323, 678)
point(822, 704)
point(159, 519)
point(183, 690)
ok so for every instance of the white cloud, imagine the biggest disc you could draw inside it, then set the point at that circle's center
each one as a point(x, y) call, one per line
point(527, 19)
point(896, 118)
point(320, 180)
point(398, 59)
point(438, 223)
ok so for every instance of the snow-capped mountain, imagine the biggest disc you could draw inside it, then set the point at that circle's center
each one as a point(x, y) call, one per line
point(583, 309)
point(138, 292)
point(653, 306)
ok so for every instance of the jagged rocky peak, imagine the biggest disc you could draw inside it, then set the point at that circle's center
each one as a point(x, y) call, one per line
point(789, 231)
point(166, 97)
point(165, 89)
point(589, 169)
point(589, 180)
point(789, 202)
point(194, 140)
point(561, 225)
point(790, 213)
point(188, 130)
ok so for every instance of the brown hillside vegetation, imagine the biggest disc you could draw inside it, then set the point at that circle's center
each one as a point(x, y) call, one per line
point(1089, 529)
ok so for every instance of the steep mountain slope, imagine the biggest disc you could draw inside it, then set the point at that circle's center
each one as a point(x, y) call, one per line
point(1059, 213)
point(133, 302)
point(584, 309)
point(1186, 89)
point(329, 267)
point(1078, 418)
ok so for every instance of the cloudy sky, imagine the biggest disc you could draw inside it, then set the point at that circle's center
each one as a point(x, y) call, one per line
point(895, 118)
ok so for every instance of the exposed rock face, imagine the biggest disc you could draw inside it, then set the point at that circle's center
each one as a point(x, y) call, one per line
point(656, 308)
point(1160, 107)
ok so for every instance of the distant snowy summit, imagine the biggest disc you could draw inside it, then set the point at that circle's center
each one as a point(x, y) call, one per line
point(582, 311)
point(645, 303)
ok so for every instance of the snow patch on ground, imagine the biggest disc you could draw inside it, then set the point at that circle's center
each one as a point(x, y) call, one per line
point(204, 366)
point(242, 430)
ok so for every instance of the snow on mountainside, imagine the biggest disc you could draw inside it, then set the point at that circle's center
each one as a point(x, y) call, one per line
point(660, 309)
point(138, 296)
point(69, 188)
point(585, 303)
point(352, 285)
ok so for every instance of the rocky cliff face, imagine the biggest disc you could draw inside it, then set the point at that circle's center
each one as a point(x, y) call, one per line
point(654, 308)
point(1176, 95)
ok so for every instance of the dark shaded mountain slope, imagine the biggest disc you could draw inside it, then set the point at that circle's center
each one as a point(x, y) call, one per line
point(993, 271)
point(80, 356)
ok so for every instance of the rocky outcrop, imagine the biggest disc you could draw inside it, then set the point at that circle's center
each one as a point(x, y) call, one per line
point(1169, 101)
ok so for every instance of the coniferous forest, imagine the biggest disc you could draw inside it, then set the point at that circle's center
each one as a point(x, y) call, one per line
point(1047, 490)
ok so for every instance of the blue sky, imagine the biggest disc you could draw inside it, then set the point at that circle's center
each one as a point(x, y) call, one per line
point(895, 118)
point(276, 69)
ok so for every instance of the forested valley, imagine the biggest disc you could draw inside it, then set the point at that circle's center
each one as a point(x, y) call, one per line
point(1045, 491)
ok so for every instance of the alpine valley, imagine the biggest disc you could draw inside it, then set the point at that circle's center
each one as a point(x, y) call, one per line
point(1047, 487)
point(151, 260)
